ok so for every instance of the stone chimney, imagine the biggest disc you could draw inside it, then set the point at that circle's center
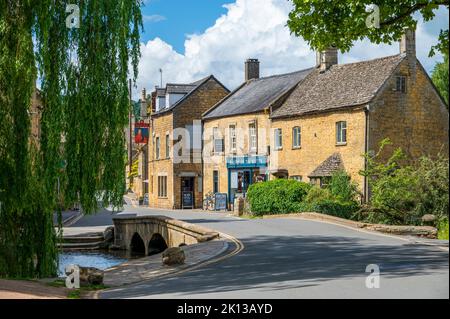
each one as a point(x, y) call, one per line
point(143, 103)
point(325, 59)
point(408, 43)
point(251, 69)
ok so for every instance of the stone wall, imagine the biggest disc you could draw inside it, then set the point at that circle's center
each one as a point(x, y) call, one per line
point(416, 121)
point(217, 162)
point(190, 110)
point(318, 142)
point(160, 127)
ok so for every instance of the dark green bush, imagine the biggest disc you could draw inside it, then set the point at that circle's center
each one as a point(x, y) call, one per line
point(278, 196)
point(335, 208)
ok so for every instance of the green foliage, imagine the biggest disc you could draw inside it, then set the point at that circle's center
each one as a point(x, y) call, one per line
point(317, 194)
point(342, 188)
point(323, 23)
point(402, 193)
point(277, 196)
point(84, 84)
point(432, 188)
point(335, 207)
point(440, 78)
point(443, 230)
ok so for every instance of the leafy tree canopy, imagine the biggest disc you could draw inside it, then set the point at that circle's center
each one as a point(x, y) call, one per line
point(325, 23)
point(440, 78)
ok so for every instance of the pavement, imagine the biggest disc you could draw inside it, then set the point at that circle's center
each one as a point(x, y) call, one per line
point(22, 289)
point(295, 258)
point(151, 267)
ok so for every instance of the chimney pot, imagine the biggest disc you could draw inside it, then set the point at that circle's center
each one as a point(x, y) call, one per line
point(251, 69)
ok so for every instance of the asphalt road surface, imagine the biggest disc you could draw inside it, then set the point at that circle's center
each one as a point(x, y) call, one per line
point(293, 258)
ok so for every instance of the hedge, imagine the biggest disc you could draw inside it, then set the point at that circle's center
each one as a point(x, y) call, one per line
point(278, 196)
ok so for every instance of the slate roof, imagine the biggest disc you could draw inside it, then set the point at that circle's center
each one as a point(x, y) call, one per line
point(255, 95)
point(187, 89)
point(330, 165)
point(180, 88)
point(343, 85)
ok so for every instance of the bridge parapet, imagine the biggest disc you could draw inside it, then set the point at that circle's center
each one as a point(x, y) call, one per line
point(173, 231)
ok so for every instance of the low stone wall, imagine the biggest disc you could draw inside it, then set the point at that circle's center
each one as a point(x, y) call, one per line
point(174, 232)
point(421, 231)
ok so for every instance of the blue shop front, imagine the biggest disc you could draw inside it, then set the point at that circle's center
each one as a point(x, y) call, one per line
point(243, 171)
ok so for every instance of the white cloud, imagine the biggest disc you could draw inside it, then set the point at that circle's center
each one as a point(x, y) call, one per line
point(251, 29)
point(153, 18)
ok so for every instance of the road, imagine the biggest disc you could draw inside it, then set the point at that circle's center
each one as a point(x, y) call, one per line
point(293, 258)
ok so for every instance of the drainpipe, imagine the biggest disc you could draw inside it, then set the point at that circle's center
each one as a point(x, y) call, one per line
point(366, 150)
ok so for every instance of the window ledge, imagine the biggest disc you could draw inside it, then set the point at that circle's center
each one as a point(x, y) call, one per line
point(296, 147)
point(341, 144)
point(278, 149)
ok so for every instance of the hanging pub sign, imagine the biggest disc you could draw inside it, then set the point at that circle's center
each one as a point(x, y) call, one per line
point(141, 132)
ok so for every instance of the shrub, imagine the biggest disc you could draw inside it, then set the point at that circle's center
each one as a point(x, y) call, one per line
point(342, 188)
point(443, 229)
point(402, 192)
point(335, 208)
point(317, 195)
point(277, 196)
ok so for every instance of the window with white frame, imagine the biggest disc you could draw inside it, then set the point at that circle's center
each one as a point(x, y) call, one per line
point(218, 141)
point(232, 130)
point(278, 137)
point(296, 137)
point(253, 137)
point(162, 186)
point(341, 132)
point(157, 147)
point(297, 178)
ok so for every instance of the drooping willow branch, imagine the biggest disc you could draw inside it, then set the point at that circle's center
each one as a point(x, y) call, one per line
point(83, 76)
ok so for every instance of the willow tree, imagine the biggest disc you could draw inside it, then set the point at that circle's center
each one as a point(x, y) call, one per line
point(83, 72)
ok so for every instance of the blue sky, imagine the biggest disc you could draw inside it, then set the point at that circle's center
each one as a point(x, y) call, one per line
point(173, 20)
point(191, 39)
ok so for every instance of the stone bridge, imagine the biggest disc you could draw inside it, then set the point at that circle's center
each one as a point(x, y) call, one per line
point(153, 234)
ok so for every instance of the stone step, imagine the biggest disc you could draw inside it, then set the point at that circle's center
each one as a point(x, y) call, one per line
point(82, 245)
point(82, 239)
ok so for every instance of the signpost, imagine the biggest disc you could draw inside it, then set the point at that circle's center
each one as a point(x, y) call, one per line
point(220, 201)
point(188, 200)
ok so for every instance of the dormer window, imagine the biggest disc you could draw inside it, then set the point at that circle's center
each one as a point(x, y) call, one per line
point(401, 84)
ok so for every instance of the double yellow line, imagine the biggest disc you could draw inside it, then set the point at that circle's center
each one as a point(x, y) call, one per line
point(239, 247)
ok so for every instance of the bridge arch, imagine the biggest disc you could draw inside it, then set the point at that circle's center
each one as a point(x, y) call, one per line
point(137, 245)
point(157, 244)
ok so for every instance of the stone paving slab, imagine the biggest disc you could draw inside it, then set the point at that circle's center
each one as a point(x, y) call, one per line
point(135, 271)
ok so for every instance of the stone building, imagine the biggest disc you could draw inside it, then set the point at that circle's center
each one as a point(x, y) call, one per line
point(316, 121)
point(236, 147)
point(175, 143)
point(339, 112)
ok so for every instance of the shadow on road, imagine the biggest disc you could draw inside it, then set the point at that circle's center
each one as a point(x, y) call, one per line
point(281, 262)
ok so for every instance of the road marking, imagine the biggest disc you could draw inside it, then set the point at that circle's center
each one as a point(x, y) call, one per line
point(239, 247)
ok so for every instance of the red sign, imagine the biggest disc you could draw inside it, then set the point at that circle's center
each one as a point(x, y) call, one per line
point(141, 132)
